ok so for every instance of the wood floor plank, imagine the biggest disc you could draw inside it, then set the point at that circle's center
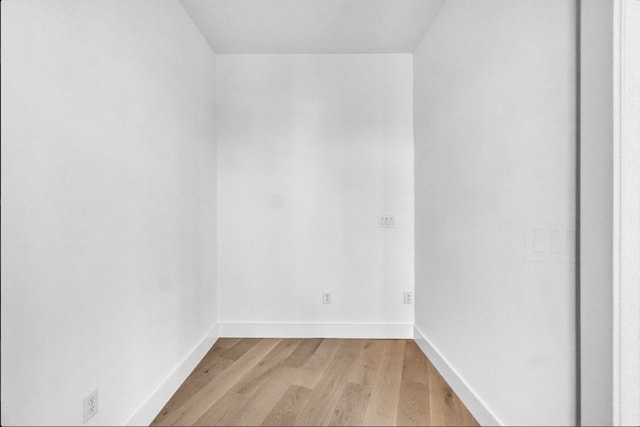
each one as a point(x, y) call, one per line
point(469, 419)
point(325, 395)
point(316, 366)
point(415, 366)
point(227, 342)
point(264, 369)
point(206, 372)
point(351, 407)
point(445, 407)
point(288, 407)
point(314, 382)
point(199, 403)
point(228, 403)
point(383, 404)
point(264, 399)
point(413, 405)
point(366, 366)
point(237, 350)
point(303, 352)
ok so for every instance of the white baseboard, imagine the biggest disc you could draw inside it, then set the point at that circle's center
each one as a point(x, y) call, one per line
point(469, 397)
point(161, 395)
point(317, 330)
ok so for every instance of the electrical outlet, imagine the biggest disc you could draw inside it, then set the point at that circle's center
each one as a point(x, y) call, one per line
point(326, 297)
point(90, 407)
point(408, 298)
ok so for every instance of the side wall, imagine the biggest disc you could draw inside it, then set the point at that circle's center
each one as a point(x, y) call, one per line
point(312, 149)
point(495, 138)
point(108, 207)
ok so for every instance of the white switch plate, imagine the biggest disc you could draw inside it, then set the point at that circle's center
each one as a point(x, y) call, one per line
point(386, 221)
point(550, 241)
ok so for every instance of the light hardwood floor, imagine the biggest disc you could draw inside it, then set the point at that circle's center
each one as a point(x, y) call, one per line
point(314, 382)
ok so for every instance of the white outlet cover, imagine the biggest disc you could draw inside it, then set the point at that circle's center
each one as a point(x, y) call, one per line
point(90, 405)
point(326, 297)
point(408, 298)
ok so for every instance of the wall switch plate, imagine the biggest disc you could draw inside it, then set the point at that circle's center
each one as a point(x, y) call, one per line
point(408, 298)
point(550, 241)
point(326, 297)
point(90, 405)
point(387, 221)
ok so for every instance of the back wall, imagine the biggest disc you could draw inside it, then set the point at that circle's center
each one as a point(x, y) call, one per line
point(312, 149)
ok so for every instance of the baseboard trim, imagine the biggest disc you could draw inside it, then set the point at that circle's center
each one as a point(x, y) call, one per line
point(469, 397)
point(317, 330)
point(161, 395)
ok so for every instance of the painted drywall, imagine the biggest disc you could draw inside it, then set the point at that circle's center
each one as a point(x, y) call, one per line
point(108, 204)
point(596, 212)
point(311, 150)
point(494, 114)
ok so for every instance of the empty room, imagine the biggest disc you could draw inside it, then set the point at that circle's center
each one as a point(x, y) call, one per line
point(320, 212)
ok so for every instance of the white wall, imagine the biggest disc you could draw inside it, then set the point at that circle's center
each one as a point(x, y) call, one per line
point(311, 149)
point(495, 193)
point(108, 204)
point(596, 212)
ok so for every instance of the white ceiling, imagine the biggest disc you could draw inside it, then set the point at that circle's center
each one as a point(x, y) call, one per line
point(313, 26)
